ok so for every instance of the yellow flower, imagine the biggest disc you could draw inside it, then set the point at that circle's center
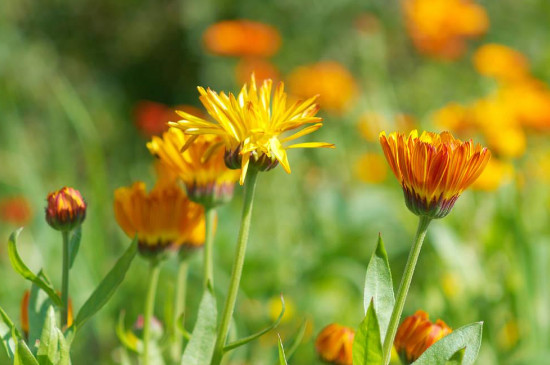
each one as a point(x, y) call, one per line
point(370, 168)
point(66, 209)
point(416, 334)
point(433, 169)
point(495, 174)
point(201, 166)
point(162, 219)
point(501, 62)
point(334, 344)
point(251, 125)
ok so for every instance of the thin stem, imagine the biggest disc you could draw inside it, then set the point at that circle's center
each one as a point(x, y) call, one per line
point(65, 280)
point(149, 309)
point(404, 286)
point(179, 308)
point(210, 217)
point(250, 187)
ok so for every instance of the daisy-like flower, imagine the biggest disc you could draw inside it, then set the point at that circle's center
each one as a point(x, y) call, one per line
point(251, 125)
point(416, 334)
point(201, 166)
point(433, 169)
point(162, 219)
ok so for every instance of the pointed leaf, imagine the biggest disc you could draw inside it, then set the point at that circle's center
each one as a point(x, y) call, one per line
point(74, 245)
point(282, 357)
point(10, 334)
point(48, 353)
point(367, 347)
point(24, 356)
point(379, 287)
point(107, 287)
point(468, 337)
point(244, 341)
point(24, 271)
point(200, 348)
point(64, 349)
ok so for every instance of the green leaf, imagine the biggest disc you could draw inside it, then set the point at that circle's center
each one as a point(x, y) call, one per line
point(38, 306)
point(468, 337)
point(10, 334)
point(48, 353)
point(244, 341)
point(24, 356)
point(282, 357)
point(74, 245)
point(200, 348)
point(457, 358)
point(107, 287)
point(297, 340)
point(24, 271)
point(64, 349)
point(379, 286)
point(367, 347)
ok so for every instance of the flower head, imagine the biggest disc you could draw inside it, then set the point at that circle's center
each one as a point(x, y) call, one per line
point(66, 209)
point(251, 124)
point(416, 334)
point(433, 169)
point(334, 344)
point(162, 219)
point(201, 166)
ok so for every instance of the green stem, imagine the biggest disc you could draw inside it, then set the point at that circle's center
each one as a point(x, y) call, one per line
point(149, 309)
point(210, 217)
point(65, 280)
point(250, 187)
point(179, 309)
point(404, 286)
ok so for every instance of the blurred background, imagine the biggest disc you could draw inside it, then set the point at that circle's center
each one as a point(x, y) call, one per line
point(85, 83)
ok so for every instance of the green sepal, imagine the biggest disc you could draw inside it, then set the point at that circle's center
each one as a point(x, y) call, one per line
point(107, 287)
point(20, 267)
point(367, 346)
point(244, 341)
point(467, 338)
point(379, 287)
point(282, 357)
point(74, 244)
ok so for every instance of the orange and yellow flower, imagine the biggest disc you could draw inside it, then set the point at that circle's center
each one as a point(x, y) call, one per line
point(416, 334)
point(334, 344)
point(251, 125)
point(242, 38)
point(162, 219)
point(66, 209)
point(201, 166)
point(433, 169)
point(501, 62)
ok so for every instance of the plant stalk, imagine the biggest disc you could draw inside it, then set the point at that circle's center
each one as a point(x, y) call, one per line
point(65, 280)
point(149, 309)
point(179, 309)
point(210, 218)
point(423, 223)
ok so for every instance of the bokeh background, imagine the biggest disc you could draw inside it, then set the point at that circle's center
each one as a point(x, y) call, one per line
point(85, 83)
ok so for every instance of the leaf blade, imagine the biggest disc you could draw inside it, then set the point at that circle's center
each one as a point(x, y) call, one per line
point(367, 346)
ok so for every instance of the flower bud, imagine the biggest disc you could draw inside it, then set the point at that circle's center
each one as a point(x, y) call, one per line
point(66, 209)
point(334, 344)
point(416, 334)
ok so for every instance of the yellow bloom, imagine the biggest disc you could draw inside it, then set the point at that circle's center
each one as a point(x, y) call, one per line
point(251, 125)
point(433, 169)
point(495, 174)
point(334, 344)
point(501, 62)
point(201, 166)
point(165, 218)
point(416, 334)
point(370, 168)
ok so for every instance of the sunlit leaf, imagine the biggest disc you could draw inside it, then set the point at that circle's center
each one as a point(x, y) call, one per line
point(367, 347)
point(10, 334)
point(48, 351)
point(282, 357)
point(128, 339)
point(24, 356)
point(39, 303)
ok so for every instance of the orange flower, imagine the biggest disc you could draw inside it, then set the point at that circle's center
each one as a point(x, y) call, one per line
point(416, 334)
point(370, 168)
point(495, 174)
point(440, 27)
point(66, 209)
point(334, 344)
point(501, 62)
point(433, 169)
point(151, 118)
point(261, 68)
point(15, 210)
point(330, 80)
point(242, 38)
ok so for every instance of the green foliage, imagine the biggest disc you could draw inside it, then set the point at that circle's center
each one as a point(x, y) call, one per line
point(74, 244)
point(24, 271)
point(282, 357)
point(53, 348)
point(38, 306)
point(367, 346)
point(467, 338)
point(24, 356)
point(10, 334)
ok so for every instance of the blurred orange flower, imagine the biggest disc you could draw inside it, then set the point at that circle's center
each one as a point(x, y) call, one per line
point(440, 27)
point(501, 62)
point(242, 38)
point(371, 168)
point(15, 210)
point(151, 118)
point(330, 80)
point(334, 344)
point(495, 174)
point(261, 68)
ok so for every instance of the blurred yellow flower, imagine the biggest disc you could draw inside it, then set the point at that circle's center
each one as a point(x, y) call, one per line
point(242, 38)
point(275, 307)
point(162, 219)
point(509, 335)
point(330, 80)
point(531, 102)
point(501, 62)
point(496, 173)
point(334, 344)
point(251, 125)
point(416, 334)
point(440, 27)
point(371, 168)
point(433, 169)
point(454, 117)
point(201, 166)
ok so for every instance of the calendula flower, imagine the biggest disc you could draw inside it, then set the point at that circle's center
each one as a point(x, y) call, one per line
point(371, 168)
point(433, 169)
point(162, 219)
point(501, 62)
point(251, 125)
point(66, 209)
point(416, 334)
point(201, 166)
point(334, 344)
